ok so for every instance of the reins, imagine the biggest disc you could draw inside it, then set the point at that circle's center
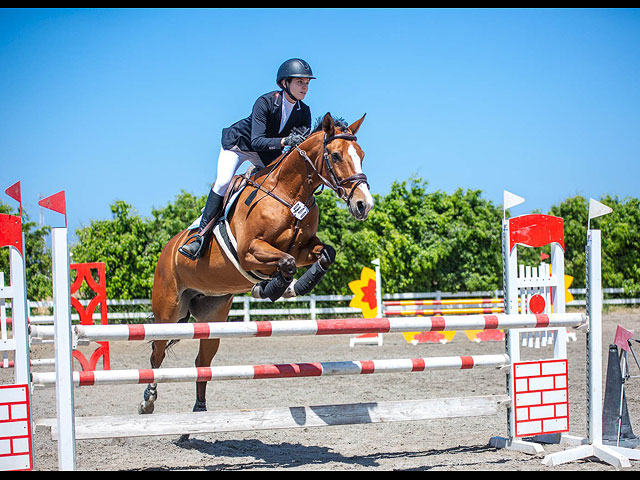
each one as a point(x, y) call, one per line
point(334, 184)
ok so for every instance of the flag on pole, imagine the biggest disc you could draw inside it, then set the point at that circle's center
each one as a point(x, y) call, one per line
point(622, 338)
point(56, 202)
point(597, 209)
point(14, 192)
point(510, 200)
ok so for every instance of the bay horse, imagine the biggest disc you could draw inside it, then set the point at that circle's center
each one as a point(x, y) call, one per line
point(274, 223)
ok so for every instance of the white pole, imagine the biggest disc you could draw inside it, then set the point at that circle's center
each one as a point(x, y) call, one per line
point(19, 312)
point(64, 356)
point(594, 337)
point(376, 262)
point(379, 303)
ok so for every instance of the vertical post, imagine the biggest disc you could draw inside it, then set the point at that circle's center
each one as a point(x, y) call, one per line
point(558, 298)
point(20, 315)
point(246, 306)
point(20, 328)
point(594, 337)
point(312, 306)
point(379, 289)
point(379, 304)
point(64, 358)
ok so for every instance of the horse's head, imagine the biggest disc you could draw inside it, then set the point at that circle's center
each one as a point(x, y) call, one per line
point(342, 165)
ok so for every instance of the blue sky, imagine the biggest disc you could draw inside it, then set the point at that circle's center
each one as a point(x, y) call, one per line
point(130, 104)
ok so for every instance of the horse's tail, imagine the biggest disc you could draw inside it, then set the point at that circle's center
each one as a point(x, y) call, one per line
point(182, 320)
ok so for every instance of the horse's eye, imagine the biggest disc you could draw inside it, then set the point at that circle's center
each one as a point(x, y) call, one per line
point(336, 157)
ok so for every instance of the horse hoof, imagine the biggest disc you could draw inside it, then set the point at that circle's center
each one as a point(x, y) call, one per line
point(145, 408)
point(200, 407)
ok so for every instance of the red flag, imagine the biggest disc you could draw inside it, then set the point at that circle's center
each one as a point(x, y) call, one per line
point(543, 256)
point(622, 337)
point(56, 202)
point(14, 192)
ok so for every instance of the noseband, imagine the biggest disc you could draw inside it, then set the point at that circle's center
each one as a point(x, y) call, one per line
point(335, 183)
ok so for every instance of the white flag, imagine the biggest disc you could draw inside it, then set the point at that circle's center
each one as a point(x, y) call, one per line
point(511, 199)
point(597, 209)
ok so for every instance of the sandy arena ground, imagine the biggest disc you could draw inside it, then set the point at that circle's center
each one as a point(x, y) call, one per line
point(452, 444)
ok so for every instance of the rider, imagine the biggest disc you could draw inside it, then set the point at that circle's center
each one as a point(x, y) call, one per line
point(279, 119)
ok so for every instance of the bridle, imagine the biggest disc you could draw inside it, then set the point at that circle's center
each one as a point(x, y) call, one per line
point(335, 183)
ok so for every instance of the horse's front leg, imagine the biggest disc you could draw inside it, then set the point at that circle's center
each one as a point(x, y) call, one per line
point(324, 255)
point(263, 255)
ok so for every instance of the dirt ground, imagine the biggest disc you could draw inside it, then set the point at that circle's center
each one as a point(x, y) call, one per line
point(451, 444)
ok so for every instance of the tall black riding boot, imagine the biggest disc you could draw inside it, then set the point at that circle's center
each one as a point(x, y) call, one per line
point(193, 249)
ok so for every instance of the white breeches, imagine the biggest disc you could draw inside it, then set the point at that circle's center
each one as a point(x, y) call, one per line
point(228, 162)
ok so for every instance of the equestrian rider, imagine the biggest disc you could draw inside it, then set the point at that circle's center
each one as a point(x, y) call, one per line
point(279, 119)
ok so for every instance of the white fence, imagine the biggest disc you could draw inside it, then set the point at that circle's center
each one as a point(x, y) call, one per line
point(311, 307)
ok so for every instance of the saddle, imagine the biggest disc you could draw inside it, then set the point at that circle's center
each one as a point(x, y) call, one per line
point(222, 231)
point(237, 184)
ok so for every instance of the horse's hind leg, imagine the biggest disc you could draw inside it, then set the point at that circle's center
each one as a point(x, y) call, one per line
point(158, 348)
point(173, 314)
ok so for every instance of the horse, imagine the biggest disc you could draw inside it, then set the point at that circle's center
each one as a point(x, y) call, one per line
point(274, 222)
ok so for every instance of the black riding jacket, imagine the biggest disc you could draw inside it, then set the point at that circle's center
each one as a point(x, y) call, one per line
point(260, 132)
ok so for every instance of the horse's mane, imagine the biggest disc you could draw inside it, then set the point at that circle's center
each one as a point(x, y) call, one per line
point(340, 123)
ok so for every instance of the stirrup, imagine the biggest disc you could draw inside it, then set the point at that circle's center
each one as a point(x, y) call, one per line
point(197, 253)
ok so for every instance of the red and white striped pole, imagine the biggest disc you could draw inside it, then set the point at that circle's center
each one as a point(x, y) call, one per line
point(289, 370)
point(351, 326)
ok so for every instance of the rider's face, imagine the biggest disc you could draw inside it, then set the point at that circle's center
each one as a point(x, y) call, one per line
point(299, 87)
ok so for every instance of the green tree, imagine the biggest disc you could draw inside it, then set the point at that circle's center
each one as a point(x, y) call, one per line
point(173, 218)
point(125, 245)
point(426, 241)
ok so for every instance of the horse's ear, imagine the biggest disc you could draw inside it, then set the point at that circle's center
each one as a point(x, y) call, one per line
point(328, 126)
point(356, 125)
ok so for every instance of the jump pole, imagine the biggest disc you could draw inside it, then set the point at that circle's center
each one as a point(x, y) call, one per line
point(271, 371)
point(348, 326)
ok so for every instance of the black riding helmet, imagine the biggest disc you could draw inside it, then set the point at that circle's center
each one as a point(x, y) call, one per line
point(293, 68)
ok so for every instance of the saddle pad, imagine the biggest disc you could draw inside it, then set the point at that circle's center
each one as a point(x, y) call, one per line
point(196, 223)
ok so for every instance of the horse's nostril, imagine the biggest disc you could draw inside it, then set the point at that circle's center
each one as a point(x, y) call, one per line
point(361, 206)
